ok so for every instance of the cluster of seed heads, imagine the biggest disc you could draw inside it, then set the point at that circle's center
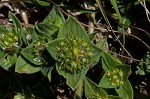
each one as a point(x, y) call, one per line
point(115, 76)
point(73, 54)
point(38, 48)
point(8, 40)
point(98, 96)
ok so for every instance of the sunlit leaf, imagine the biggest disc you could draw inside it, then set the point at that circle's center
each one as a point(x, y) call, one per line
point(109, 61)
point(125, 91)
point(54, 18)
point(23, 66)
point(28, 53)
point(46, 71)
point(8, 61)
point(92, 90)
point(72, 78)
point(16, 22)
point(72, 28)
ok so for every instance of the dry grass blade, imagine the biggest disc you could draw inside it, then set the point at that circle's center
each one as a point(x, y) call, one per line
point(146, 10)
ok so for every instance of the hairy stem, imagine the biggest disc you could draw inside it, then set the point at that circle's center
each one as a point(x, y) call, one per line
point(79, 90)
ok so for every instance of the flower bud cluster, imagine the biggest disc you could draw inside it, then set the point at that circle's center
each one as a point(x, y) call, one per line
point(8, 40)
point(73, 54)
point(115, 77)
point(38, 48)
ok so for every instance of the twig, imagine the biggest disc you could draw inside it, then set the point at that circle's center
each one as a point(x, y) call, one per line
point(146, 10)
point(140, 30)
point(1, 2)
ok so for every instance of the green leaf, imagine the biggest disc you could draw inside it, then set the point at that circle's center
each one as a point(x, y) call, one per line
point(91, 89)
point(125, 91)
point(114, 3)
point(24, 66)
point(46, 71)
point(101, 43)
point(144, 65)
point(92, 36)
point(28, 54)
point(2, 54)
point(54, 18)
point(46, 30)
point(15, 84)
point(109, 61)
point(72, 28)
point(32, 33)
point(125, 22)
point(2, 29)
point(72, 78)
point(16, 22)
point(24, 34)
point(105, 83)
point(8, 61)
point(51, 47)
point(18, 26)
point(43, 30)
point(96, 52)
point(43, 3)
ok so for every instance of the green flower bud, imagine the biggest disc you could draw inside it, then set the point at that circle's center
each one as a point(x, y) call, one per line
point(6, 43)
point(88, 49)
point(84, 44)
point(58, 49)
point(115, 77)
point(90, 54)
point(10, 34)
point(10, 39)
point(117, 81)
point(74, 64)
point(121, 82)
point(62, 43)
point(121, 74)
point(84, 60)
point(67, 60)
point(66, 49)
point(16, 38)
point(75, 53)
point(62, 55)
point(113, 84)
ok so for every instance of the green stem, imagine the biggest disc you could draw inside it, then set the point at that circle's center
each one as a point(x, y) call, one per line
point(79, 90)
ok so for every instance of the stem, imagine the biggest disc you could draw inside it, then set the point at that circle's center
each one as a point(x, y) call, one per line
point(91, 22)
point(79, 90)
